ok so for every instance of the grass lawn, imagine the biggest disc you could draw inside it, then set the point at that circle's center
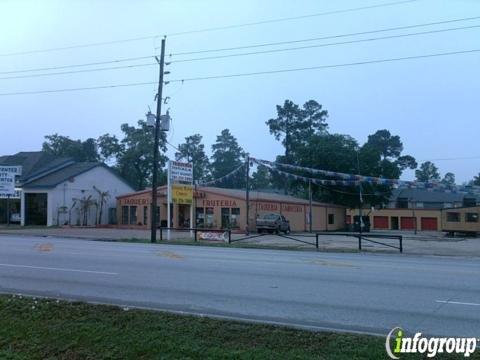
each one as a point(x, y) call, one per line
point(50, 329)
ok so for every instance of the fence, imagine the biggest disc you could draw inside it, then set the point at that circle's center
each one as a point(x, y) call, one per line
point(366, 237)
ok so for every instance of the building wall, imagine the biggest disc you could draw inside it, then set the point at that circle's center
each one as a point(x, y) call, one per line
point(406, 214)
point(210, 202)
point(79, 187)
point(462, 225)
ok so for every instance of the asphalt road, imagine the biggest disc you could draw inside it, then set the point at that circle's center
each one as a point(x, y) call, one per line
point(346, 292)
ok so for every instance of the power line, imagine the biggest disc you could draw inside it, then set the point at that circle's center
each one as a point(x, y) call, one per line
point(76, 71)
point(103, 43)
point(325, 45)
point(257, 45)
point(224, 56)
point(327, 66)
point(70, 47)
point(271, 21)
point(77, 89)
point(327, 37)
point(78, 65)
point(251, 73)
point(454, 158)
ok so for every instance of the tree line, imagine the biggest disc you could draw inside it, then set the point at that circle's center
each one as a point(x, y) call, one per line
point(303, 131)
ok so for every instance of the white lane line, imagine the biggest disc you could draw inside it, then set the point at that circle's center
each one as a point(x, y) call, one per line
point(59, 269)
point(456, 303)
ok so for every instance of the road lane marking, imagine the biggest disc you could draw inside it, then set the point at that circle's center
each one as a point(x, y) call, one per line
point(59, 269)
point(456, 303)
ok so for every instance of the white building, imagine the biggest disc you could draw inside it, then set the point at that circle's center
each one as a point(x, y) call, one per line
point(60, 191)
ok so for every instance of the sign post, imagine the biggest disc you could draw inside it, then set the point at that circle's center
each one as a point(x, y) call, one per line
point(7, 184)
point(180, 188)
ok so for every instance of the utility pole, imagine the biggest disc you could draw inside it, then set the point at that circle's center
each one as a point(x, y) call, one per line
point(287, 150)
point(247, 194)
point(360, 197)
point(310, 203)
point(8, 210)
point(156, 155)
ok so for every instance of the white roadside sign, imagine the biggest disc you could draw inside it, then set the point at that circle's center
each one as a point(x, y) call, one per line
point(7, 180)
point(7, 183)
point(181, 172)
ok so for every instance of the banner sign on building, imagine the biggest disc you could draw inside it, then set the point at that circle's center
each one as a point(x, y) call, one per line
point(182, 194)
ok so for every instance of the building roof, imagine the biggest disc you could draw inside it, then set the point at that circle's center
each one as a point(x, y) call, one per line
point(57, 177)
point(35, 163)
point(43, 170)
point(422, 195)
point(240, 194)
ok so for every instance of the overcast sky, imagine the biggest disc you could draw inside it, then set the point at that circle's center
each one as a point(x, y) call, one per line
point(432, 103)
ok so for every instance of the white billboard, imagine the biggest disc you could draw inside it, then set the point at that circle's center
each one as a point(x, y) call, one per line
point(180, 172)
point(7, 183)
point(7, 180)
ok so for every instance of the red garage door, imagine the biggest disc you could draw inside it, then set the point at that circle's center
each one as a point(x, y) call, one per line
point(407, 223)
point(429, 224)
point(380, 222)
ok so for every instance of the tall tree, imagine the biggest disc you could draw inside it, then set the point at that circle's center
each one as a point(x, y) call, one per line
point(427, 172)
point(476, 180)
point(389, 146)
point(193, 150)
point(227, 155)
point(342, 153)
point(294, 125)
point(261, 179)
point(76, 149)
point(109, 147)
point(134, 154)
point(449, 179)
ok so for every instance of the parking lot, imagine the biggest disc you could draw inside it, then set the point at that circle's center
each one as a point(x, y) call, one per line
point(419, 244)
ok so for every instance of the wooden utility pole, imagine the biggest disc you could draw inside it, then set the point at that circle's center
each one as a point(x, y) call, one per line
point(156, 155)
point(310, 203)
point(247, 194)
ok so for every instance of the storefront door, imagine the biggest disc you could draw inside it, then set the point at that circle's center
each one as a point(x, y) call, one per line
point(36, 209)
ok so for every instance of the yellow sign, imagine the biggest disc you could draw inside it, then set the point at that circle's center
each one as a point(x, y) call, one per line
point(182, 194)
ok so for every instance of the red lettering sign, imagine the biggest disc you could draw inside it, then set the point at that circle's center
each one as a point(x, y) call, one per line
point(219, 203)
point(292, 208)
point(268, 207)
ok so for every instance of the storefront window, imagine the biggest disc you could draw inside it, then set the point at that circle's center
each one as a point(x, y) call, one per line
point(200, 217)
point(471, 217)
point(209, 219)
point(225, 218)
point(453, 217)
point(133, 215)
point(235, 218)
point(124, 215)
point(331, 219)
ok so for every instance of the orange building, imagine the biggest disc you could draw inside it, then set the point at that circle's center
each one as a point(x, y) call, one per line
point(219, 208)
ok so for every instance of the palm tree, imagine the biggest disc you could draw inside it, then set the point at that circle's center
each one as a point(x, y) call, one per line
point(85, 204)
point(103, 197)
